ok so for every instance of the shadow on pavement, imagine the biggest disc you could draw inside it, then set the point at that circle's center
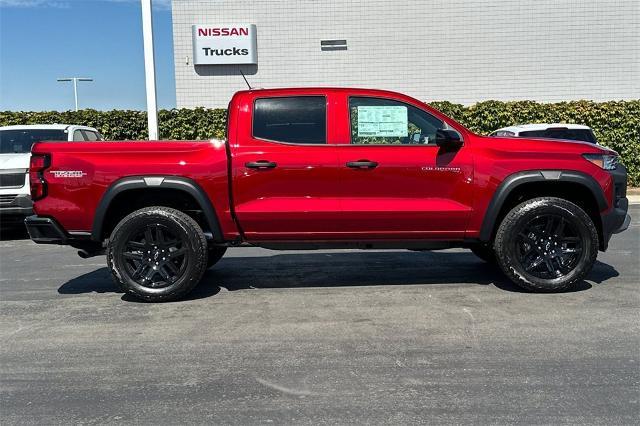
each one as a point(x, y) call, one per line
point(312, 269)
point(13, 231)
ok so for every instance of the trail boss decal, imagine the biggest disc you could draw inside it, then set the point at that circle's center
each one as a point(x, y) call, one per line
point(220, 45)
point(68, 173)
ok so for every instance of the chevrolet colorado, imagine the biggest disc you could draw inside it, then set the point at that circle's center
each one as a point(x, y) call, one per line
point(328, 168)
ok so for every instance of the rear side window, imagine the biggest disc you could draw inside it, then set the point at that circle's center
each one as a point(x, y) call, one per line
point(20, 141)
point(90, 136)
point(300, 119)
point(78, 136)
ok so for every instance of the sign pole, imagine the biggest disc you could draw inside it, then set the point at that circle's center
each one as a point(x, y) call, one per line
point(149, 69)
point(75, 81)
point(75, 91)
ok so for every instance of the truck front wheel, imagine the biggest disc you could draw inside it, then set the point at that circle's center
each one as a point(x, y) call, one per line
point(546, 244)
point(157, 254)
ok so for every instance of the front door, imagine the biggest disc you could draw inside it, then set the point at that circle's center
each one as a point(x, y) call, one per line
point(284, 172)
point(396, 182)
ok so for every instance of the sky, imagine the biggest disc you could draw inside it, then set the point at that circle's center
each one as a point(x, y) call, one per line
point(42, 40)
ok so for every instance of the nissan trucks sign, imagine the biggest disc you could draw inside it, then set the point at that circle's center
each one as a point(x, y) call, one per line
point(223, 45)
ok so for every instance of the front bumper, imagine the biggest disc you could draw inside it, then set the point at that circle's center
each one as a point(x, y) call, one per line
point(617, 220)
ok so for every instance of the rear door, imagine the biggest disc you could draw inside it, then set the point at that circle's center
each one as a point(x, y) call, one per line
point(396, 183)
point(284, 168)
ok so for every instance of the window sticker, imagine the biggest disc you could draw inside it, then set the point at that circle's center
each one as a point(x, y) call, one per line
point(383, 121)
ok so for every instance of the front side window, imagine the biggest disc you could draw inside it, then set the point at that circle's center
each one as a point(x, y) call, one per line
point(377, 121)
point(299, 119)
point(20, 141)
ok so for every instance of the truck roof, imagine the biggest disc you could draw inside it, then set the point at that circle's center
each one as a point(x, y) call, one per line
point(542, 126)
point(316, 90)
point(44, 126)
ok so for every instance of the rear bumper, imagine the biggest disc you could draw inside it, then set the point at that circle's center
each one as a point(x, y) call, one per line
point(21, 205)
point(44, 230)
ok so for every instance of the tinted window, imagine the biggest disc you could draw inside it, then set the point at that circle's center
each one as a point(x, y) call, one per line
point(376, 121)
point(300, 119)
point(90, 136)
point(16, 141)
point(78, 136)
point(502, 133)
point(584, 135)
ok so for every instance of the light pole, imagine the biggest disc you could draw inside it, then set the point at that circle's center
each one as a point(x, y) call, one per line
point(75, 85)
point(149, 69)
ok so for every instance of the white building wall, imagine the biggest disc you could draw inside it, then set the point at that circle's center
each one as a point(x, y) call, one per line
point(457, 50)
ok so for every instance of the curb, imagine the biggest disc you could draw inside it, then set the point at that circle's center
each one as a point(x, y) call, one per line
point(633, 198)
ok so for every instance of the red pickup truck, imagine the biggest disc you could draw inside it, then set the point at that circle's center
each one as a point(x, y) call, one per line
point(328, 168)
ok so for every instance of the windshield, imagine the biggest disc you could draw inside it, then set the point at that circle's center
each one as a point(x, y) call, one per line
point(584, 135)
point(20, 141)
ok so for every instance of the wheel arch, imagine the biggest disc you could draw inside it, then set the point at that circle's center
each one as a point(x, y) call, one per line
point(574, 186)
point(136, 184)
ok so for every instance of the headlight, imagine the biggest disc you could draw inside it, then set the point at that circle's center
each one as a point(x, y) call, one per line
point(604, 161)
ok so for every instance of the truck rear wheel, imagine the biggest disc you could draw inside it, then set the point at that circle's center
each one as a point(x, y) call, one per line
point(157, 254)
point(546, 244)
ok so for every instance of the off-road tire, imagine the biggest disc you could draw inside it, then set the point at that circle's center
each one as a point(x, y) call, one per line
point(523, 215)
point(215, 253)
point(484, 252)
point(174, 221)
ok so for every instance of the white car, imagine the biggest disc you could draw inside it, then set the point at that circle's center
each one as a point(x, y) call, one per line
point(574, 132)
point(15, 152)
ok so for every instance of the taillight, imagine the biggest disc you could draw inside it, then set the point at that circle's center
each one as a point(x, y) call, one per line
point(39, 163)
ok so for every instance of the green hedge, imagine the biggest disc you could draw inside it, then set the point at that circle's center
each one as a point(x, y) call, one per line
point(616, 123)
point(185, 124)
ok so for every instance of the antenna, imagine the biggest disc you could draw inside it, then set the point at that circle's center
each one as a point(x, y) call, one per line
point(245, 78)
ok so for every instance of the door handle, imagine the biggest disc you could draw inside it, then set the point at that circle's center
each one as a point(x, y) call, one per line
point(260, 164)
point(362, 164)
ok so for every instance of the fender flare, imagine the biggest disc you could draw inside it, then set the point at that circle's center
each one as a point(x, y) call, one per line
point(513, 181)
point(165, 182)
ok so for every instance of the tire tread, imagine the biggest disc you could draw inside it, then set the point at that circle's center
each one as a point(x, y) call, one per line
point(195, 233)
point(507, 225)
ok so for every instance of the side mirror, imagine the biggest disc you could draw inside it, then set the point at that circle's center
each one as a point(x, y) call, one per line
point(449, 139)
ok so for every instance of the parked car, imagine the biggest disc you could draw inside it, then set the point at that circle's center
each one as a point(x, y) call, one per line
point(329, 168)
point(15, 150)
point(572, 132)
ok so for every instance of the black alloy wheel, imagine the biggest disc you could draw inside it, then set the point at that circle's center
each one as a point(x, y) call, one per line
point(157, 254)
point(154, 257)
point(548, 247)
point(546, 244)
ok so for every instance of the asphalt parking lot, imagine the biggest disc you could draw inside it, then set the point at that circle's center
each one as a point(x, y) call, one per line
point(319, 337)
